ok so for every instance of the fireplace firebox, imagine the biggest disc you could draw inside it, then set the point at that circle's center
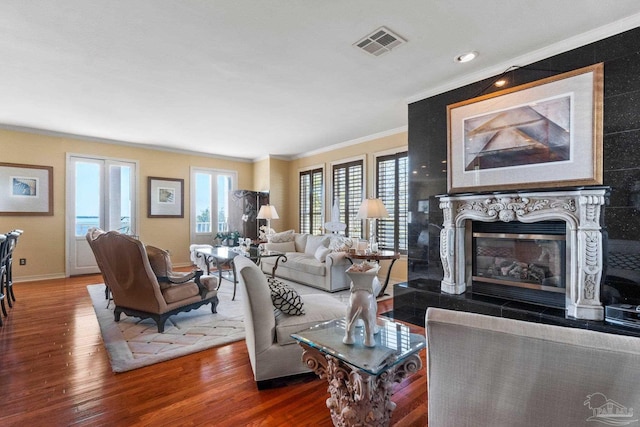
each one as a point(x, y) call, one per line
point(519, 261)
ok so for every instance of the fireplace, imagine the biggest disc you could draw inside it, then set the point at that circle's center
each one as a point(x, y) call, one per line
point(550, 240)
point(519, 261)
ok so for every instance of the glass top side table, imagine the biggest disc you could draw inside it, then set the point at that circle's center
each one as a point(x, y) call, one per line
point(394, 343)
point(361, 378)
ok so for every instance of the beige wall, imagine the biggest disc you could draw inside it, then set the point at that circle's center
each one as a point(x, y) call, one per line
point(279, 190)
point(43, 244)
point(261, 175)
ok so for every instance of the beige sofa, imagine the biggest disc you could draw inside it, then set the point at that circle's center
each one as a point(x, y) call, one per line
point(272, 351)
point(313, 260)
point(491, 371)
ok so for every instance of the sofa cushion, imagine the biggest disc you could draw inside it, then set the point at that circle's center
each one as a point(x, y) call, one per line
point(282, 246)
point(175, 293)
point(313, 242)
point(301, 241)
point(321, 253)
point(304, 263)
point(319, 308)
point(283, 236)
point(285, 298)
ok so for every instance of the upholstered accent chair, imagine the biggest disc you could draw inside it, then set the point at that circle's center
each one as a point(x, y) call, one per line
point(272, 351)
point(127, 266)
point(493, 371)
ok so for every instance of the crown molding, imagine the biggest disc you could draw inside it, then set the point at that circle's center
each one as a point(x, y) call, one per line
point(86, 138)
point(360, 140)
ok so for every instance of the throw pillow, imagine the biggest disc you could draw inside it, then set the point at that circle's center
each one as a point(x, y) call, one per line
point(340, 243)
point(284, 298)
point(313, 242)
point(281, 247)
point(321, 253)
point(283, 236)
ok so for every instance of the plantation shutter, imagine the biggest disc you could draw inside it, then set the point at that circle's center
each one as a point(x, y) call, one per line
point(391, 188)
point(348, 181)
point(311, 188)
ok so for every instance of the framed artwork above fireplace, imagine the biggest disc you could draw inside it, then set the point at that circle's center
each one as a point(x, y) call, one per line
point(547, 133)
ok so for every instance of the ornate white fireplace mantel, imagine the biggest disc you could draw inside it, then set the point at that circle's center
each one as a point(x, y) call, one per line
point(579, 208)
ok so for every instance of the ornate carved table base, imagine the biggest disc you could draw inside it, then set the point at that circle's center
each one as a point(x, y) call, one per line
point(358, 398)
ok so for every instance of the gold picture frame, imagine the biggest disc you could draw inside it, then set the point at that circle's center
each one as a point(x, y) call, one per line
point(547, 133)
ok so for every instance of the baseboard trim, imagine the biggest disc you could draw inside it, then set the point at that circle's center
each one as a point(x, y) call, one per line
point(38, 278)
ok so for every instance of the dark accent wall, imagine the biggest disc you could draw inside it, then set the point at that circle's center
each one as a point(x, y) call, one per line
point(428, 147)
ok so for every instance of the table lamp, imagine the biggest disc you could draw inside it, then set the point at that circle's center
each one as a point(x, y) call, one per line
point(372, 209)
point(268, 212)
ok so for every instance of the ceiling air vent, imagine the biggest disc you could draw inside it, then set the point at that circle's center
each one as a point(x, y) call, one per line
point(380, 42)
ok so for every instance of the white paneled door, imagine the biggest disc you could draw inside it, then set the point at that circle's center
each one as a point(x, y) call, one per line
point(101, 192)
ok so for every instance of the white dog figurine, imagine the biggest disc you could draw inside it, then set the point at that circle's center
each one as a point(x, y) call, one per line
point(362, 302)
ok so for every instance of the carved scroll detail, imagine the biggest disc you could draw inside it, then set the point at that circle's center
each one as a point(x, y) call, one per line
point(509, 209)
point(357, 398)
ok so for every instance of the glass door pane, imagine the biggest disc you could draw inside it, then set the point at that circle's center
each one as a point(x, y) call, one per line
point(203, 203)
point(224, 187)
point(120, 203)
point(88, 201)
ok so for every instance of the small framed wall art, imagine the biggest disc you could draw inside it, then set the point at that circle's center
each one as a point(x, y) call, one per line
point(26, 189)
point(166, 197)
point(547, 133)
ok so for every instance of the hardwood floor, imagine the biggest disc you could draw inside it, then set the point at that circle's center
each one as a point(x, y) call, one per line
point(54, 371)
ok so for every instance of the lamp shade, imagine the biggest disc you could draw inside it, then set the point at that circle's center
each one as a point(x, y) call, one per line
point(372, 208)
point(267, 212)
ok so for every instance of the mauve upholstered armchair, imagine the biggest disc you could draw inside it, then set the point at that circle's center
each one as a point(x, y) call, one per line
point(137, 289)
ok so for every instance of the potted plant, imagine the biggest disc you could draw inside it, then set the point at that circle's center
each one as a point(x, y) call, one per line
point(228, 238)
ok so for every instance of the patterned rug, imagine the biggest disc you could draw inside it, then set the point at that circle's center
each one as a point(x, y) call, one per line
point(133, 343)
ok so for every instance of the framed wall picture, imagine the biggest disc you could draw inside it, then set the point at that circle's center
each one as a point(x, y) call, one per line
point(547, 133)
point(166, 197)
point(26, 189)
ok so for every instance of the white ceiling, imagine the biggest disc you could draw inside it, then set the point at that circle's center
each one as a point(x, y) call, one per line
point(251, 78)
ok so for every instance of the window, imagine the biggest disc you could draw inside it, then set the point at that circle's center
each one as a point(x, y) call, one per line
point(348, 189)
point(391, 188)
point(210, 203)
point(311, 188)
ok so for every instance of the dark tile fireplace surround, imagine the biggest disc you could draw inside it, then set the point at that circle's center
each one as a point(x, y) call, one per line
point(620, 218)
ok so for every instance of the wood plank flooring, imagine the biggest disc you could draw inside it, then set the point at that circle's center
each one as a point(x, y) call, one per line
point(54, 371)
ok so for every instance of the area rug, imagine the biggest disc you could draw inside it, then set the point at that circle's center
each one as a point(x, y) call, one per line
point(133, 343)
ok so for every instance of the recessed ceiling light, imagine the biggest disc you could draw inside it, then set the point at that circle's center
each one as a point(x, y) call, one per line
point(500, 83)
point(466, 57)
